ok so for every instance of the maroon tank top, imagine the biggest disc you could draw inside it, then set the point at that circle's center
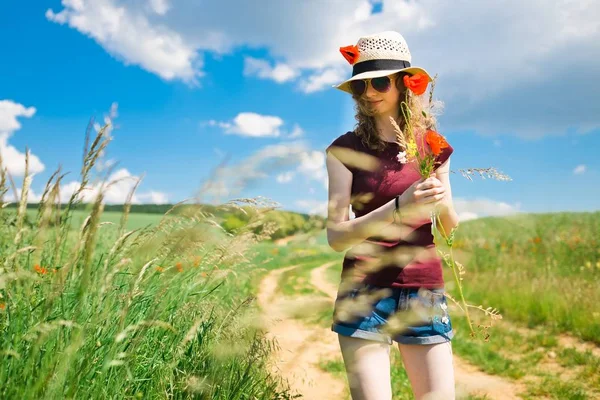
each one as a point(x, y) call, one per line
point(374, 187)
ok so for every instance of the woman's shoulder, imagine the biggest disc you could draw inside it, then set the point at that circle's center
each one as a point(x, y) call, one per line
point(347, 140)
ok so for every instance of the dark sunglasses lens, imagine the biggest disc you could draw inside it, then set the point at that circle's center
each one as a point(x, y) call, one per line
point(358, 87)
point(381, 84)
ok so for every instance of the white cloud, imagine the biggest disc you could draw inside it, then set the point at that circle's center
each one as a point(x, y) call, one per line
point(506, 78)
point(296, 132)
point(130, 33)
point(116, 193)
point(314, 207)
point(481, 207)
point(12, 158)
point(32, 197)
point(251, 124)
point(322, 80)
point(467, 215)
point(261, 68)
point(159, 6)
point(580, 169)
point(285, 177)
point(230, 181)
point(154, 197)
point(122, 182)
point(312, 165)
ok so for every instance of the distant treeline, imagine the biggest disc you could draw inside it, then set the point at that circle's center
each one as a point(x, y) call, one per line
point(230, 218)
point(135, 208)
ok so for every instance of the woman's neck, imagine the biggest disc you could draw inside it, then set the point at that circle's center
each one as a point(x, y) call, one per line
point(385, 129)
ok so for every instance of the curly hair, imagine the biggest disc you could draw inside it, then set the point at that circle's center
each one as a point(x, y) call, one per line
point(366, 128)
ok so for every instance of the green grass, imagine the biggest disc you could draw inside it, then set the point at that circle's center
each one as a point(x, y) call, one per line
point(552, 388)
point(486, 355)
point(86, 312)
point(535, 269)
point(89, 312)
point(148, 334)
point(540, 272)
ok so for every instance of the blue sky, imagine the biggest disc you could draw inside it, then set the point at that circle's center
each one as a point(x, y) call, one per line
point(194, 83)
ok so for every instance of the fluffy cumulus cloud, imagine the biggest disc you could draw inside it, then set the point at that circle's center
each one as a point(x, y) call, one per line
point(132, 31)
point(13, 159)
point(580, 169)
point(475, 208)
point(262, 68)
point(515, 66)
point(285, 177)
point(121, 184)
point(251, 124)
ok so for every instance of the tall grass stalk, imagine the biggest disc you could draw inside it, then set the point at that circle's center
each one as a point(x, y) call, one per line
point(106, 312)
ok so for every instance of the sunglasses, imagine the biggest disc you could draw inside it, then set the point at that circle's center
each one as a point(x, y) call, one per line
point(381, 83)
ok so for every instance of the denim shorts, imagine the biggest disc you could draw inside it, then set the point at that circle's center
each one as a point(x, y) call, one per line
point(405, 315)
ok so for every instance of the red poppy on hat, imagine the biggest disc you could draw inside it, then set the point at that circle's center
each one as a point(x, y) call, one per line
point(350, 53)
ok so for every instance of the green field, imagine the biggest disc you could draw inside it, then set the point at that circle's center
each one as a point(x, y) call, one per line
point(167, 311)
point(540, 272)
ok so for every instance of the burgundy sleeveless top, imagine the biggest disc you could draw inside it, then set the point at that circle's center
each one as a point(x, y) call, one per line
point(374, 187)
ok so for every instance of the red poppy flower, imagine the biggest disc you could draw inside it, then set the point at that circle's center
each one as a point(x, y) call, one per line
point(436, 142)
point(417, 83)
point(40, 270)
point(350, 53)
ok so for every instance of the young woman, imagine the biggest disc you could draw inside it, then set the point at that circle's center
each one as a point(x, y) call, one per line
point(392, 288)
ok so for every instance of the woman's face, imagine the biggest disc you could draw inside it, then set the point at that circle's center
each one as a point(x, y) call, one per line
point(384, 103)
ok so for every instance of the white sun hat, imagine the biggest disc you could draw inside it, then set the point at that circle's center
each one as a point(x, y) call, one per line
point(380, 54)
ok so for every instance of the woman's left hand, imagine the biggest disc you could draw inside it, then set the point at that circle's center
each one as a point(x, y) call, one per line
point(433, 183)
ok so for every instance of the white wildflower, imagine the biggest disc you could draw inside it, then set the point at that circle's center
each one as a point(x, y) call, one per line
point(402, 157)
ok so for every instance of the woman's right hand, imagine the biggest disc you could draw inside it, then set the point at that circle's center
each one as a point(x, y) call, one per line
point(422, 197)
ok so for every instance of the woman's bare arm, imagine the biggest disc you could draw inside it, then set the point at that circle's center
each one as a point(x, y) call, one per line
point(343, 233)
point(448, 216)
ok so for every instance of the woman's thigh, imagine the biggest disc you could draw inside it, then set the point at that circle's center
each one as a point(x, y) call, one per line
point(368, 368)
point(430, 369)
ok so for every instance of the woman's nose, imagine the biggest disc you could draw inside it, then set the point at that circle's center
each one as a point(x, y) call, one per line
point(370, 91)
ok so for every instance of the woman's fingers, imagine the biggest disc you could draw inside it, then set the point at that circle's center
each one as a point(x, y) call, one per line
point(431, 195)
point(433, 191)
point(428, 184)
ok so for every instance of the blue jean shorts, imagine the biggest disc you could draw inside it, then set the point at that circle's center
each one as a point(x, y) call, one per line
point(405, 315)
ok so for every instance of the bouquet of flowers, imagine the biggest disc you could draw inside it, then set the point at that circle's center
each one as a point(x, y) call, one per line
point(425, 158)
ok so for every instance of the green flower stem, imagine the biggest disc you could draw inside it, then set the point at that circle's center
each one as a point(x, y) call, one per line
point(449, 241)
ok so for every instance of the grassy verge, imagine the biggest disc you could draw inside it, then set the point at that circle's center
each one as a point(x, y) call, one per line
point(103, 311)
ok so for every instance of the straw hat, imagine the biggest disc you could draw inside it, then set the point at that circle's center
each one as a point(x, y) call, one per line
point(376, 55)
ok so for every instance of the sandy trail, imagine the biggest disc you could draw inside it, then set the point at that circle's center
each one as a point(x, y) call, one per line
point(301, 346)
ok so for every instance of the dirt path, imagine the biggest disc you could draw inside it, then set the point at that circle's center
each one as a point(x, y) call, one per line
point(301, 347)
point(469, 379)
